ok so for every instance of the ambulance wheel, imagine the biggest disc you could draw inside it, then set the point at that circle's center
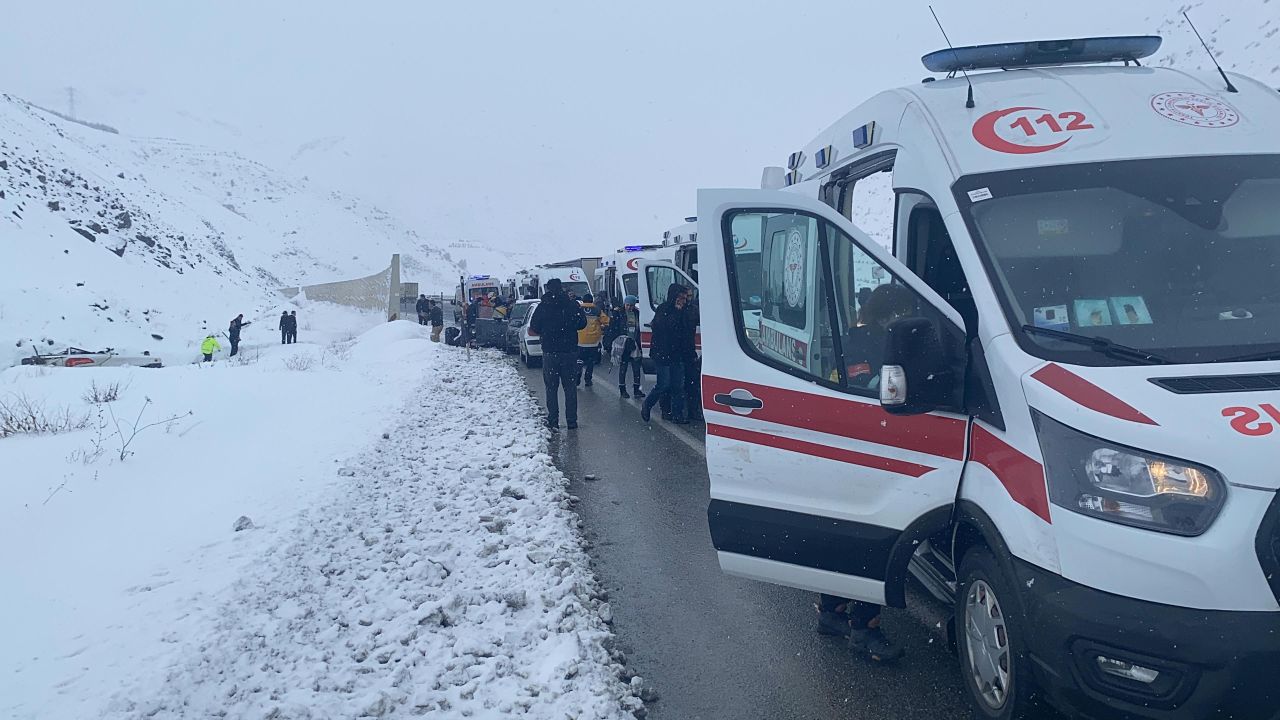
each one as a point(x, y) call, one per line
point(994, 665)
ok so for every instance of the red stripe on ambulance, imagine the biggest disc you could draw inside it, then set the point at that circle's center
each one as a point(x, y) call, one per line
point(849, 418)
point(852, 457)
point(1022, 477)
point(1083, 392)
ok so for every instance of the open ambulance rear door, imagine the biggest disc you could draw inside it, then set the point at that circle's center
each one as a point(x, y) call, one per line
point(654, 279)
point(813, 484)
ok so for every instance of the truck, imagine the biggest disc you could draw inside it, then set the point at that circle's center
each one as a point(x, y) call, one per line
point(1044, 381)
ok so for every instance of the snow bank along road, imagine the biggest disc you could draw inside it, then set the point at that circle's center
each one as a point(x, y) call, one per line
point(715, 646)
point(437, 572)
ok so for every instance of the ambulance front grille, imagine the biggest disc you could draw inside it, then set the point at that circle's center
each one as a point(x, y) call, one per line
point(1219, 383)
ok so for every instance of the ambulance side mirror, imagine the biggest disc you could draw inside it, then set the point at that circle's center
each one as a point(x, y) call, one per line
point(915, 377)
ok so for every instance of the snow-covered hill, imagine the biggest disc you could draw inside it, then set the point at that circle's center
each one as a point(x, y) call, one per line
point(146, 243)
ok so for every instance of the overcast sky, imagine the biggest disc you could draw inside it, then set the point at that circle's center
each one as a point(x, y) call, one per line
point(575, 126)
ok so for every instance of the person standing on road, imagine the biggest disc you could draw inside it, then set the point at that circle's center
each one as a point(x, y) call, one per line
point(557, 321)
point(437, 321)
point(233, 332)
point(209, 347)
point(284, 327)
point(589, 338)
point(668, 354)
point(423, 306)
point(293, 326)
point(625, 322)
point(859, 623)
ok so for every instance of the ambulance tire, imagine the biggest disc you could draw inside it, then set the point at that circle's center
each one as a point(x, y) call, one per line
point(999, 624)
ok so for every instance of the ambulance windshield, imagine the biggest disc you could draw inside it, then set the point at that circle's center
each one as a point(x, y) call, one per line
point(1179, 257)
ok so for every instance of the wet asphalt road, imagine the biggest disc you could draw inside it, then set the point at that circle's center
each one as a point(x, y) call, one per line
point(715, 646)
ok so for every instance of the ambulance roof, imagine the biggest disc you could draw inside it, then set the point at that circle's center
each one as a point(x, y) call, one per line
point(1054, 116)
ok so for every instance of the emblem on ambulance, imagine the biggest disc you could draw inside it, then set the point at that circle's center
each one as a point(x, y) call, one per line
point(633, 264)
point(1195, 109)
point(793, 267)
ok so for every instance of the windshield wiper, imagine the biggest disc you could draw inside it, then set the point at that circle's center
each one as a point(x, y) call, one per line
point(1101, 345)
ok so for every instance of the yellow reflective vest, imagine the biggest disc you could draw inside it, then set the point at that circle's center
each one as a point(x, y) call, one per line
point(210, 346)
point(590, 335)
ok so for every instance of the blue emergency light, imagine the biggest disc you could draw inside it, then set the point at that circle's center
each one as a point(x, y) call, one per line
point(864, 136)
point(479, 277)
point(1129, 48)
point(633, 248)
point(822, 158)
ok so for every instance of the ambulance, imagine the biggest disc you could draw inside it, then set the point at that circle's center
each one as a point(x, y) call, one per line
point(616, 276)
point(681, 247)
point(572, 279)
point(1053, 398)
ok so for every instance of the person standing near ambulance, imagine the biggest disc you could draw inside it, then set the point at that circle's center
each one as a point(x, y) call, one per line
point(625, 324)
point(589, 339)
point(557, 321)
point(668, 355)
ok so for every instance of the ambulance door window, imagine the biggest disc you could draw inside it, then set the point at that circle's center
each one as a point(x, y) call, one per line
point(931, 255)
point(781, 288)
point(869, 202)
point(868, 297)
point(659, 279)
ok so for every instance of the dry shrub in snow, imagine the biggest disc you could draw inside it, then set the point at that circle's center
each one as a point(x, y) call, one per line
point(20, 415)
point(300, 363)
point(98, 394)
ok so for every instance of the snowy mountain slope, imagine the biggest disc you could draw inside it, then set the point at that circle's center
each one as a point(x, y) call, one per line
point(145, 244)
point(478, 258)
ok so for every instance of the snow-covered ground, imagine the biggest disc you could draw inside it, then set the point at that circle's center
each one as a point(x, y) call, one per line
point(412, 549)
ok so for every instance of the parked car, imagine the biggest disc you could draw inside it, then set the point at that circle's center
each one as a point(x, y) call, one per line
point(76, 357)
point(518, 337)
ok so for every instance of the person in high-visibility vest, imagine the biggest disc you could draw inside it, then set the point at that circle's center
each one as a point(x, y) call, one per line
point(209, 347)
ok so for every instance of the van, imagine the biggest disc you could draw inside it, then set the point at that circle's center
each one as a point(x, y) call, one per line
point(1040, 374)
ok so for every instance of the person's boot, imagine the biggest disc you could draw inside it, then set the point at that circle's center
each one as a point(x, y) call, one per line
point(835, 624)
point(622, 390)
point(644, 412)
point(870, 643)
point(588, 381)
point(553, 425)
point(637, 391)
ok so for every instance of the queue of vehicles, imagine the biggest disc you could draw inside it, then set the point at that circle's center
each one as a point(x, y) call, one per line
point(1047, 390)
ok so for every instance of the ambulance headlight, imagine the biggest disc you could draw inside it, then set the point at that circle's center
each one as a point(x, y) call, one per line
point(1101, 479)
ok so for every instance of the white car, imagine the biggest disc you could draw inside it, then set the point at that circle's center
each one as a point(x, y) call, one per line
point(75, 357)
point(529, 346)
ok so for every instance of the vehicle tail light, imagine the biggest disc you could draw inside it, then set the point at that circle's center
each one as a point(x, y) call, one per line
point(77, 361)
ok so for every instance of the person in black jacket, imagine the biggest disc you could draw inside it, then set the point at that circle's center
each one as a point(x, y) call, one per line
point(293, 326)
point(557, 321)
point(233, 332)
point(437, 320)
point(669, 353)
point(423, 307)
point(284, 327)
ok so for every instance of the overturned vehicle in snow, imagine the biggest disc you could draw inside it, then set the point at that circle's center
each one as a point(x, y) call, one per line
point(76, 357)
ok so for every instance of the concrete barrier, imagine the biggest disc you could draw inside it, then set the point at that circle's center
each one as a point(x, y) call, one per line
point(380, 291)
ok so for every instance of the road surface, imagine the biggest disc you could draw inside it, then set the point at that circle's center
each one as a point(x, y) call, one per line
point(711, 645)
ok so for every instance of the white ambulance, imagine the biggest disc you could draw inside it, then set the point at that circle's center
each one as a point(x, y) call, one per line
point(1055, 399)
point(572, 279)
point(616, 276)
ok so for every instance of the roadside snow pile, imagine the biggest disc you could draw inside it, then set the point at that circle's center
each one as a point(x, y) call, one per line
point(437, 572)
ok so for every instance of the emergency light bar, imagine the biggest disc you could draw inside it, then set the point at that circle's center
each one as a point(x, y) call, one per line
point(1129, 48)
point(478, 277)
point(633, 248)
